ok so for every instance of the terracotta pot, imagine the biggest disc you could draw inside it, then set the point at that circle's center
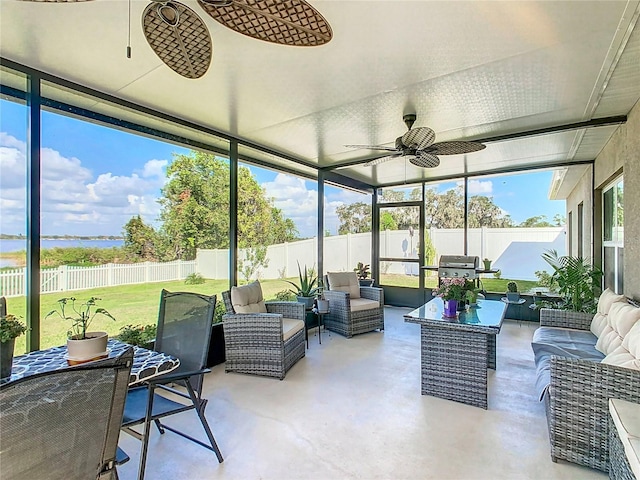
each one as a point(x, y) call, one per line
point(93, 347)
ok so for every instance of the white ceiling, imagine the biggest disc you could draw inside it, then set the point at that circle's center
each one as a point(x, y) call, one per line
point(468, 69)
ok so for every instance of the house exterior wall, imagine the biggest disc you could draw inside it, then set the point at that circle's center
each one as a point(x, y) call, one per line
point(583, 192)
point(622, 153)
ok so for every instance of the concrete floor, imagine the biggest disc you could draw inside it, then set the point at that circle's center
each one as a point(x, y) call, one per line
point(352, 409)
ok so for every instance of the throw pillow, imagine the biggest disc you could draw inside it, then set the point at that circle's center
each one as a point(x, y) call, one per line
point(621, 318)
point(248, 298)
point(608, 298)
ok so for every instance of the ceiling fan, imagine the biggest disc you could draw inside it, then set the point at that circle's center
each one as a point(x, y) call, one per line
point(180, 38)
point(417, 145)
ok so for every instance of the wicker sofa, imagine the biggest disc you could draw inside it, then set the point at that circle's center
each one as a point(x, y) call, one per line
point(261, 338)
point(353, 309)
point(582, 361)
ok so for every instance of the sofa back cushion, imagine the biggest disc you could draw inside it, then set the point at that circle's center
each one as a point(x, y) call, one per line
point(599, 322)
point(248, 298)
point(621, 318)
point(628, 354)
point(344, 282)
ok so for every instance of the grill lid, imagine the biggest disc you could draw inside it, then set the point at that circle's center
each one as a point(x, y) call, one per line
point(459, 261)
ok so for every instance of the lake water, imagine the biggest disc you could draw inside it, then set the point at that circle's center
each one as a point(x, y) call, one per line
point(7, 246)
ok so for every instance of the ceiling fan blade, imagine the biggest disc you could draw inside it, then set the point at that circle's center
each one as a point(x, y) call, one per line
point(179, 37)
point(455, 148)
point(291, 22)
point(378, 161)
point(373, 147)
point(419, 138)
point(425, 160)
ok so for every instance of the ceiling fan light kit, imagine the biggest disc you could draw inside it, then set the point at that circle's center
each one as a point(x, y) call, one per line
point(417, 145)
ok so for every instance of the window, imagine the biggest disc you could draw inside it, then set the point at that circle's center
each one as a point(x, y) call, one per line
point(13, 200)
point(613, 235)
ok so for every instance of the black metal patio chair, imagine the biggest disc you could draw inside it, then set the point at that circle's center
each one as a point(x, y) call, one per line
point(64, 423)
point(184, 329)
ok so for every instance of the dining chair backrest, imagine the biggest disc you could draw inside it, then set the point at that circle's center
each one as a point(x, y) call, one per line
point(184, 327)
point(64, 423)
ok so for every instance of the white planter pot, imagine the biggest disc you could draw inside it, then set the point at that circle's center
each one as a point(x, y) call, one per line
point(323, 306)
point(91, 348)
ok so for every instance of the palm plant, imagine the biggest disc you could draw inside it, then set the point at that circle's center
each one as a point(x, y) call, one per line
point(577, 281)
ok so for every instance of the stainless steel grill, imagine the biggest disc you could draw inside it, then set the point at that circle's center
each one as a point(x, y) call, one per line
point(463, 266)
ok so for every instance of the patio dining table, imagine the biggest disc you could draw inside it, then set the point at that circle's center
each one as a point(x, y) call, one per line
point(146, 363)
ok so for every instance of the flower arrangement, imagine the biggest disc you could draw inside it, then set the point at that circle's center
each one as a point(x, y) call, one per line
point(454, 288)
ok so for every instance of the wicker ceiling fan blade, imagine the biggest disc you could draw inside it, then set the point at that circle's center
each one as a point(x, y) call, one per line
point(179, 37)
point(419, 138)
point(286, 22)
point(378, 161)
point(373, 147)
point(425, 160)
point(455, 148)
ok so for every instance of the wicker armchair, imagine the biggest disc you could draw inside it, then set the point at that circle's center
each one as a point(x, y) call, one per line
point(577, 401)
point(266, 344)
point(346, 320)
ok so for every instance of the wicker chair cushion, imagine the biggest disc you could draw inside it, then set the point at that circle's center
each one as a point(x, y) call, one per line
point(291, 326)
point(345, 282)
point(360, 304)
point(622, 316)
point(626, 418)
point(248, 298)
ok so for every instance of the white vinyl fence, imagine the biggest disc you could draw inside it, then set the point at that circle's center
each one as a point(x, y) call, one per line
point(64, 278)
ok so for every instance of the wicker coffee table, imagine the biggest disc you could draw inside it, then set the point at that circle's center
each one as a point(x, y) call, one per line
point(456, 352)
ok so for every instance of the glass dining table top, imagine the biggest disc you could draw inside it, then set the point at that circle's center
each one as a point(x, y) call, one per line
point(487, 313)
point(146, 363)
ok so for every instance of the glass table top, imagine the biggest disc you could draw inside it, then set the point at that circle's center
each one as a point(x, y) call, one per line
point(488, 313)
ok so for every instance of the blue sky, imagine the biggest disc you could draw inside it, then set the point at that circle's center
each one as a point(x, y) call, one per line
point(94, 179)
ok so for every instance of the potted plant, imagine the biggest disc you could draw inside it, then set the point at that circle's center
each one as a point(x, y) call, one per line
point(10, 329)
point(362, 270)
point(216, 354)
point(306, 289)
point(512, 292)
point(82, 345)
point(577, 281)
point(487, 264)
point(452, 291)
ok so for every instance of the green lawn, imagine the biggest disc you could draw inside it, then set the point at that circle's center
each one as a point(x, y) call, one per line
point(129, 304)
point(138, 304)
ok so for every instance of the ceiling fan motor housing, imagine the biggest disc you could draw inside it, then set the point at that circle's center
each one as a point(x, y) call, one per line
point(409, 120)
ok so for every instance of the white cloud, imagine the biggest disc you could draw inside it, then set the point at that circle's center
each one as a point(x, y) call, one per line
point(298, 203)
point(74, 200)
point(480, 187)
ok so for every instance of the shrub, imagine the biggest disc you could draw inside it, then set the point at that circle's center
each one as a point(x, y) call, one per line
point(139, 335)
point(219, 312)
point(194, 279)
point(285, 296)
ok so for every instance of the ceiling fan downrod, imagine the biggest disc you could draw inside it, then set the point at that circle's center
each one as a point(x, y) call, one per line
point(409, 120)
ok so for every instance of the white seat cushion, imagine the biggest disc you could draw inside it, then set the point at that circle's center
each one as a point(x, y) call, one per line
point(626, 418)
point(359, 304)
point(248, 298)
point(291, 326)
point(345, 282)
point(621, 318)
